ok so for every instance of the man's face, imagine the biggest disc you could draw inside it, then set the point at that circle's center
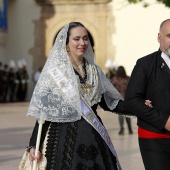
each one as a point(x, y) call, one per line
point(164, 38)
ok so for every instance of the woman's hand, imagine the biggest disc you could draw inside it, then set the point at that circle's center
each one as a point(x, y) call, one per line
point(148, 103)
point(33, 157)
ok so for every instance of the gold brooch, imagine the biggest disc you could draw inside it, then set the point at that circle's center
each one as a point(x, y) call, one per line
point(86, 88)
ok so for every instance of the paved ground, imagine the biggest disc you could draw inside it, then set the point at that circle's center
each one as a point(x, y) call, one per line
point(15, 130)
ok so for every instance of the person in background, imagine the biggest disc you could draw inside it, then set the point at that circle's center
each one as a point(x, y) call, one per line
point(5, 82)
point(25, 80)
point(1, 71)
point(150, 79)
point(37, 74)
point(21, 81)
point(110, 70)
point(120, 82)
point(11, 80)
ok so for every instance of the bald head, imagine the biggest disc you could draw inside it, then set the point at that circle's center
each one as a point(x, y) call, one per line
point(163, 23)
point(164, 37)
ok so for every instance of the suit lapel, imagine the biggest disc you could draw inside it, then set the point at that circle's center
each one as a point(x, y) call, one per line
point(164, 67)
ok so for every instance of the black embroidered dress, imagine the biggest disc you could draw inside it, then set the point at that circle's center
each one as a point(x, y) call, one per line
point(76, 145)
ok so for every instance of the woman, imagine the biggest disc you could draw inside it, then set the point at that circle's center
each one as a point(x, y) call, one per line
point(69, 89)
point(120, 82)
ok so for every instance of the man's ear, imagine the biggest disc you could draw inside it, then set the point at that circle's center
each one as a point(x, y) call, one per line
point(159, 37)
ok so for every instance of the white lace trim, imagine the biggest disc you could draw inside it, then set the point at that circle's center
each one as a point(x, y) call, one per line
point(58, 97)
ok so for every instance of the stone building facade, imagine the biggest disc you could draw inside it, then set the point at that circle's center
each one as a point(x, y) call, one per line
point(96, 15)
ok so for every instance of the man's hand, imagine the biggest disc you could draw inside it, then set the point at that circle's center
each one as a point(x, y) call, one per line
point(167, 125)
point(148, 103)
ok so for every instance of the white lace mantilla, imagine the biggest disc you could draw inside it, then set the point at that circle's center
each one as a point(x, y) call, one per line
point(57, 93)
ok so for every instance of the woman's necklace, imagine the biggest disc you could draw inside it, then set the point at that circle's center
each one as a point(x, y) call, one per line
point(86, 88)
point(76, 66)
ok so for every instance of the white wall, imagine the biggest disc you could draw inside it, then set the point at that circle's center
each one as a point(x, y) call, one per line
point(136, 30)
point(20, 37)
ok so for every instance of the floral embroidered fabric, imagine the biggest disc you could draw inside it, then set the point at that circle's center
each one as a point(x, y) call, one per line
point(76, 146)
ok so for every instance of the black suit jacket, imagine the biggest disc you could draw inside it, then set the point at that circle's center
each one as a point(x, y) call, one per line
point(150, 79)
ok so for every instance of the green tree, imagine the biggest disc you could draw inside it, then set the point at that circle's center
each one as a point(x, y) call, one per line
point(166, 2)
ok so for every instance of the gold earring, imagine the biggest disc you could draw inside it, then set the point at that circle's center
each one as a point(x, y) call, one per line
point(67, 48)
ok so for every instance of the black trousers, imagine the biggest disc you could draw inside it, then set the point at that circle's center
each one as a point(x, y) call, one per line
point(128, 121)
point(155, 153)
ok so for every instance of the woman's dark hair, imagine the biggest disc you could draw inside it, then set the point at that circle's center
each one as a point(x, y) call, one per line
point(73, 25)
point(121, 72)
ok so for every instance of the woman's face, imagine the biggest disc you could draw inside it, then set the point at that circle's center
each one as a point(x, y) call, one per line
point(78, 41)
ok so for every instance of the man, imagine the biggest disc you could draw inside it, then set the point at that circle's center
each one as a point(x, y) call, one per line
point(11, 80)
point(5, 83)
point(1, 84)
point(150, 79)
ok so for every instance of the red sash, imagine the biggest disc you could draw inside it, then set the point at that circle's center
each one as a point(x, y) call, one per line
point(142, 133)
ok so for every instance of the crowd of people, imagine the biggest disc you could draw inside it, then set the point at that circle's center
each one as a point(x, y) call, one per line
point(13, 81)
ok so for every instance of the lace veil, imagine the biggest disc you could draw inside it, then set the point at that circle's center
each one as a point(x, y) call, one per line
point(56, 96)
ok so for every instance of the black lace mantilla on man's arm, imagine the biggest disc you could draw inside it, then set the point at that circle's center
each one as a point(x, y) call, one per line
point(33, 138)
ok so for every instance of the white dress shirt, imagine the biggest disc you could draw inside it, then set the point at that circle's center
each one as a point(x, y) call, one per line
point(166, 59)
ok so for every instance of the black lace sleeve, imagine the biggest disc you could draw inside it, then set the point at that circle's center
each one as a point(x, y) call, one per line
point(120, 108)
point(33, 138)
